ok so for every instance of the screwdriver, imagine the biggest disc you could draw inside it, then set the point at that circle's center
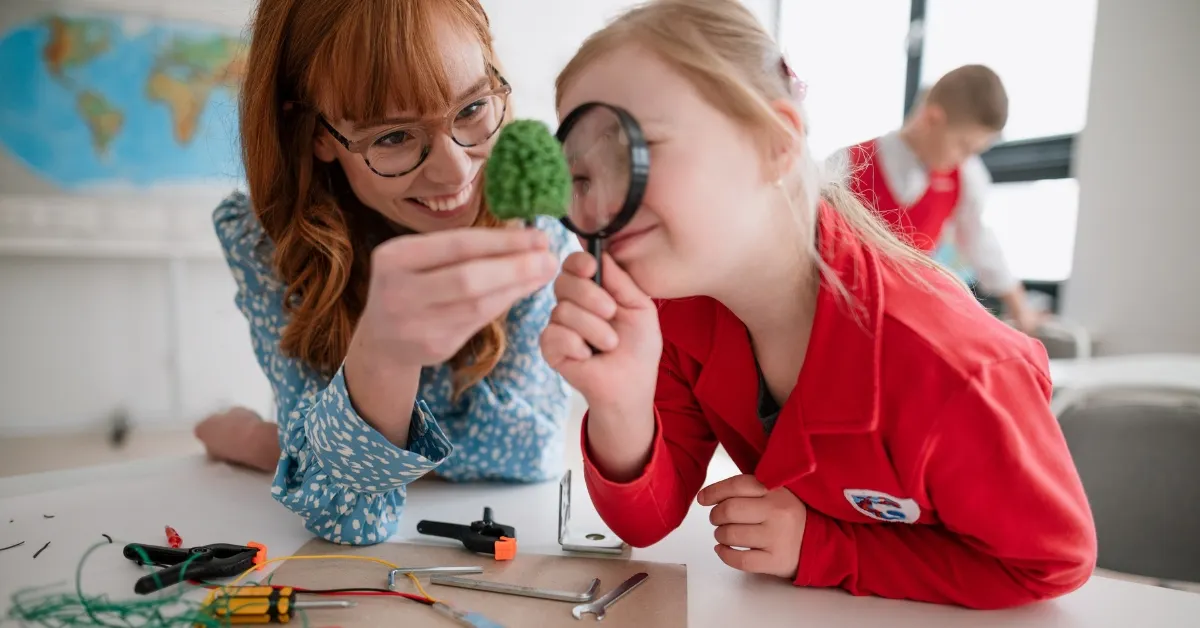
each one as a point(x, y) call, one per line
point(261, 605)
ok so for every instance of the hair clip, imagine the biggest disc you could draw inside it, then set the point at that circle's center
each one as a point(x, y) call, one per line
point(796, 87)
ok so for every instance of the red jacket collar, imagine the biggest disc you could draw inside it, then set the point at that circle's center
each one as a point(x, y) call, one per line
point(845, 347)
point(838, 388)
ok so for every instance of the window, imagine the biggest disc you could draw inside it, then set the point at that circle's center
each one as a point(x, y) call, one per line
point(1035, 224)
point(1043, 53)
point(1041, 255)
point(1041, 50)
point(855, 68)
point(865, 60)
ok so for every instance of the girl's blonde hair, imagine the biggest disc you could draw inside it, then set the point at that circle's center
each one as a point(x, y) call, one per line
point(720, 47)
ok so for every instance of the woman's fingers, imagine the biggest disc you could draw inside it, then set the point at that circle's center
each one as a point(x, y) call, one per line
point(468, 315)
point(591, 328)
point(478, 278)
point(428, 251)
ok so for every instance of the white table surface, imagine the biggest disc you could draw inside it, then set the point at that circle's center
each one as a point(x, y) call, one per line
point(1152, 369)
point(213, 503)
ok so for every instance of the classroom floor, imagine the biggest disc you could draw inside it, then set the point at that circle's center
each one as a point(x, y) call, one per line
point(37, 454)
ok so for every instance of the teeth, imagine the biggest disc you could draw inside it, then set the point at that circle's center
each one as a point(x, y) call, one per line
point(448, 203)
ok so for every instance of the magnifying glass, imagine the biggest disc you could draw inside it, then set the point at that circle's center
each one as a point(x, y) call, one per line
point(610, 165)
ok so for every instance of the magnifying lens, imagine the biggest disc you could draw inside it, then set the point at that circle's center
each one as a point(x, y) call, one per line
point(610, 164)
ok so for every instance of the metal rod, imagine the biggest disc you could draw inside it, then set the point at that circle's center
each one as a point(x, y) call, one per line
point(314, 604)
point(513, 589)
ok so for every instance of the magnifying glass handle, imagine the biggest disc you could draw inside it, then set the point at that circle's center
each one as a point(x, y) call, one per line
point(596, 246)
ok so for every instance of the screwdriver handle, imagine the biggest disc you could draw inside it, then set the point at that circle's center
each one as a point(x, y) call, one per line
point(252, 605)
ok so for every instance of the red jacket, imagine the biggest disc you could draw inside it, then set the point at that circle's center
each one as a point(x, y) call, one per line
point(922, 222)
point(919, 435)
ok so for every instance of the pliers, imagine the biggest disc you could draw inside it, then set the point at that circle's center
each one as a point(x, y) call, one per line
point(218, 560)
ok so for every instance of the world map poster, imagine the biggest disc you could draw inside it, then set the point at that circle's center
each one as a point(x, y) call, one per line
point(99, 101)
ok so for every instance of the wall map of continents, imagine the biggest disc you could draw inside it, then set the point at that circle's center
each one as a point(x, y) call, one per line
point(95, 100)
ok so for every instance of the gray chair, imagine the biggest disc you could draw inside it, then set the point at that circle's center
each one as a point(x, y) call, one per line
point(1064, 339)
point(1138, 454)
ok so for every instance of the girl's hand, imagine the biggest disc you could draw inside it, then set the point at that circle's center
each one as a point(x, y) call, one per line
point(429, 293)
point(620, 321)
point(769, 525)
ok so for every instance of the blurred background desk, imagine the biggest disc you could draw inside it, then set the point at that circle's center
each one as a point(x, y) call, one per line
point(1156, 370)
point(1132, 424)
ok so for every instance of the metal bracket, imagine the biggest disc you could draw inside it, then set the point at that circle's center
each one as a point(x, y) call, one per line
point(592, 543)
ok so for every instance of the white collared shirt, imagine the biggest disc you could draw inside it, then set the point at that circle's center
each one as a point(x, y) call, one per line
point(908, 181)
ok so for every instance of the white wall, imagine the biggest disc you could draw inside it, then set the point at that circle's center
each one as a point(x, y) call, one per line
point(96, 318)
point(536, 38)
point(1136, 270)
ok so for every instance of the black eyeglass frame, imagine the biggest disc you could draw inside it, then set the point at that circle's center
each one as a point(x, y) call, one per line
point(446, 123)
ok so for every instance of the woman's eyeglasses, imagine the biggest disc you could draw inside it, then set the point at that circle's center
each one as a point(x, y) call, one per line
point(399, 150)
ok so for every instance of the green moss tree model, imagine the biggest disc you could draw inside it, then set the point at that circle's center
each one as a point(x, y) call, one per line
point(527, 174)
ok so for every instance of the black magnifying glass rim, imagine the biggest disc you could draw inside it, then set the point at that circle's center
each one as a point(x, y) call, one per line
point(639, 166)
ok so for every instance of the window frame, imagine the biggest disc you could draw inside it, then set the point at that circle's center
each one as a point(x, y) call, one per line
point(1024, 160)
point(1032, 159)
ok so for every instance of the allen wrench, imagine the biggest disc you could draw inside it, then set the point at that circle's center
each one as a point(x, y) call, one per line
point(428, 571)
point(599, 607)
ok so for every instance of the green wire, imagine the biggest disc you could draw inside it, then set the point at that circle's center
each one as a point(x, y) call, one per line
point(167, 609)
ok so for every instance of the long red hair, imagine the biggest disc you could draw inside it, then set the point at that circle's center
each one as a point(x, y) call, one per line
point(353, 60)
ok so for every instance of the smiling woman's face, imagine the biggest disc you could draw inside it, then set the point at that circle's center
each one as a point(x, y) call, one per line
point(445, 191)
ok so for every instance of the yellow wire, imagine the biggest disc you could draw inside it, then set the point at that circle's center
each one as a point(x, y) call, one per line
point(318, 557)
point(388, 564)
point(422, 589)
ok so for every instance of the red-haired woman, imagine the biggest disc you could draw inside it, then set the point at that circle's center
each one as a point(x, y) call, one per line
point(396, 319)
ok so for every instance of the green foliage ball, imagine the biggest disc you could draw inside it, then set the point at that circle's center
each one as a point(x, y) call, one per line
point(527, 174)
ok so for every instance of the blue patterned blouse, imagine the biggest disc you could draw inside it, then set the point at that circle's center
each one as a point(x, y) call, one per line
point(345, 479)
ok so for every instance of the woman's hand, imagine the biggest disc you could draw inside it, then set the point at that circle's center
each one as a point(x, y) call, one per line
point(240, 436)
point(428, 295)
point(618, 380)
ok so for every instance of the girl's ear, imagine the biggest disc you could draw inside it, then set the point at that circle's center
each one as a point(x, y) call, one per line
point(785, 153)
point(324, 146)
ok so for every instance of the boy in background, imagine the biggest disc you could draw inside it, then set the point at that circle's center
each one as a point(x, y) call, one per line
point(929, 173)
